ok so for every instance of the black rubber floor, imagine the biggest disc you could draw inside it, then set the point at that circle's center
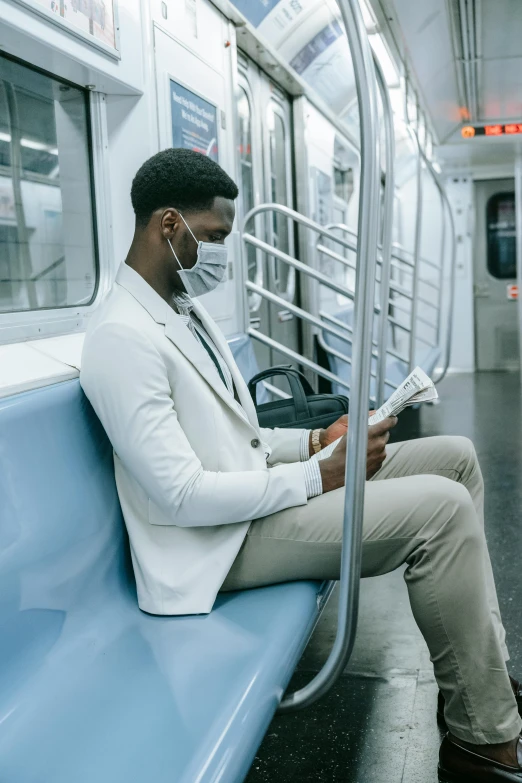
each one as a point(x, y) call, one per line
point(378, 724)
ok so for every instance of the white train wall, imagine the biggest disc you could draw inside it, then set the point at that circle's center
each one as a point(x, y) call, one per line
point(194, 45)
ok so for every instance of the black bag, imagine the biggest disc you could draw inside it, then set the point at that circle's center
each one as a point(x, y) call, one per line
point(304, 409)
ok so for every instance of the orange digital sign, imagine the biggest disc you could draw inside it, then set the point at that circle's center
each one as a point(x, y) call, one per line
point(511, 128)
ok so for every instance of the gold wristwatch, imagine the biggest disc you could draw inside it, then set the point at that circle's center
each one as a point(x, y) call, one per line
point(316, 444)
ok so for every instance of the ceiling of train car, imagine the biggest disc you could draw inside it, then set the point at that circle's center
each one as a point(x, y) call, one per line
point(309, 35)
point(466, 57)
point(422, 33)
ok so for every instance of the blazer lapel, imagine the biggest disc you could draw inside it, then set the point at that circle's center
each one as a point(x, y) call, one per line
point(222, 345)
point(184, 340)
point(191, 348)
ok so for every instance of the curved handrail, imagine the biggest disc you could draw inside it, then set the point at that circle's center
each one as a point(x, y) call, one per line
point(441, 264)
point(453, 276)
point(387, 218)
point(453, 267)
point(355, 475)
point(298, 218)
point(416, 250)
point(453, 256)
point(309, 271)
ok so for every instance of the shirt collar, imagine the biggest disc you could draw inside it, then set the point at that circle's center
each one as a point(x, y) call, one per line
point(183, 303)
point(150, 299)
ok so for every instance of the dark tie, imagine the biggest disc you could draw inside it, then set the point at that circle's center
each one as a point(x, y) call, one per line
point(212, 356)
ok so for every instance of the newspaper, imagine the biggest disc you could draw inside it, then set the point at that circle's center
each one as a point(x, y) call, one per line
point(417, 387)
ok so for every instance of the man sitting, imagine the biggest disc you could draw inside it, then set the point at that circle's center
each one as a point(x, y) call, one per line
point(212, 502)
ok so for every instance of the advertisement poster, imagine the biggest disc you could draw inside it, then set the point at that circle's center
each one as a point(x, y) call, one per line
point(275, 19)
point(255, 10)
point(91, 19)
point(194, 121)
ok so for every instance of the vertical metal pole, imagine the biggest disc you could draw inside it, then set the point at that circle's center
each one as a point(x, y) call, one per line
point(389, 189)
point(416, 253)
point(442, 259)
point(451, 293)
point(355, 476)
point(453, 259)
point(518, 223)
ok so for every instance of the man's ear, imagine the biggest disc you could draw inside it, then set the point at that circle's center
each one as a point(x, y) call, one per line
point(170, 221)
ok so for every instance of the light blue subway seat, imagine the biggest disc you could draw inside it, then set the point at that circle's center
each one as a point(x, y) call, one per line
point(91, 688)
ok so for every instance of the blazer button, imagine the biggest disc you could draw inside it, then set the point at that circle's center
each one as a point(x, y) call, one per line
point(254, 443)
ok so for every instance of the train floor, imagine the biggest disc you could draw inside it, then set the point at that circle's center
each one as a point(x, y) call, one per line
point(378, 723)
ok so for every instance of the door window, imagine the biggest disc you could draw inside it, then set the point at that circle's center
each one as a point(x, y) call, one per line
point(501, 236)
point(254, 265)
point(47, 251)
point(284, 275)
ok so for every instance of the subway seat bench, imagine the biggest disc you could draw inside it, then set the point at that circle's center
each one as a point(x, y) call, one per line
point(92, 690)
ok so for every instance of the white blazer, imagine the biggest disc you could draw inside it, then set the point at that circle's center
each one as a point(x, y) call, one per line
point(190, 468)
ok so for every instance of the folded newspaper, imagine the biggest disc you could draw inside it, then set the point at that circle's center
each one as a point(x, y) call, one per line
point(417, 387)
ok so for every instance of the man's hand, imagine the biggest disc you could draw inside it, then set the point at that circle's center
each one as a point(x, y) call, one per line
point(333, 468)
point(333, 432)
point(378, 437)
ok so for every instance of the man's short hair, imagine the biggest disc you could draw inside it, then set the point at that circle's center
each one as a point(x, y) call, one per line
point(180, 178)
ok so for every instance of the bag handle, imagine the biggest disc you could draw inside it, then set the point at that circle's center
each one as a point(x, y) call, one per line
point(299, 387)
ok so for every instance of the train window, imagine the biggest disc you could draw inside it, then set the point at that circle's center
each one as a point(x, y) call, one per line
point(279, 193)
point(501, 236)
point(245, 150)
point(254, 267)
point(343, 183)
point(47, 253)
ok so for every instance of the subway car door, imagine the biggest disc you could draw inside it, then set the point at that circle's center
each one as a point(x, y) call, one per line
point(265, 152)
point(496, 329)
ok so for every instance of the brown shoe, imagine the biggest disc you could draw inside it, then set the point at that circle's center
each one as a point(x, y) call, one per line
point(517, 690)
point(460, 765)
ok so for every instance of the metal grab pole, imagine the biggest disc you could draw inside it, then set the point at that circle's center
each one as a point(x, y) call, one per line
point(442, 257)
point(387, 217)
point(416, 251)
point(518, 231)
point(355, 475)
point(453, 269)
point(449, 331)
point(451, 298)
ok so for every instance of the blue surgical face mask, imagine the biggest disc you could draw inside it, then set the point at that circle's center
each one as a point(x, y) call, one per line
point(209, 270)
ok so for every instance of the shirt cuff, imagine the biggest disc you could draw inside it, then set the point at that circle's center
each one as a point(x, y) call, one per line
point(304, 446)
point(313, 480)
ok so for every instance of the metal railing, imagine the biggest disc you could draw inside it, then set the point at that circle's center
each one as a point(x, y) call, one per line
point(387, 227)
point(453, 253)
point(395, 300)
point(355, 475)
point(340, 330)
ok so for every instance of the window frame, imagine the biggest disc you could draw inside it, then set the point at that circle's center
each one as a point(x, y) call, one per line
point(22, 325)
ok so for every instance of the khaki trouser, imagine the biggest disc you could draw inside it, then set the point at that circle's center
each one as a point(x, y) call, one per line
point(423, 508)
